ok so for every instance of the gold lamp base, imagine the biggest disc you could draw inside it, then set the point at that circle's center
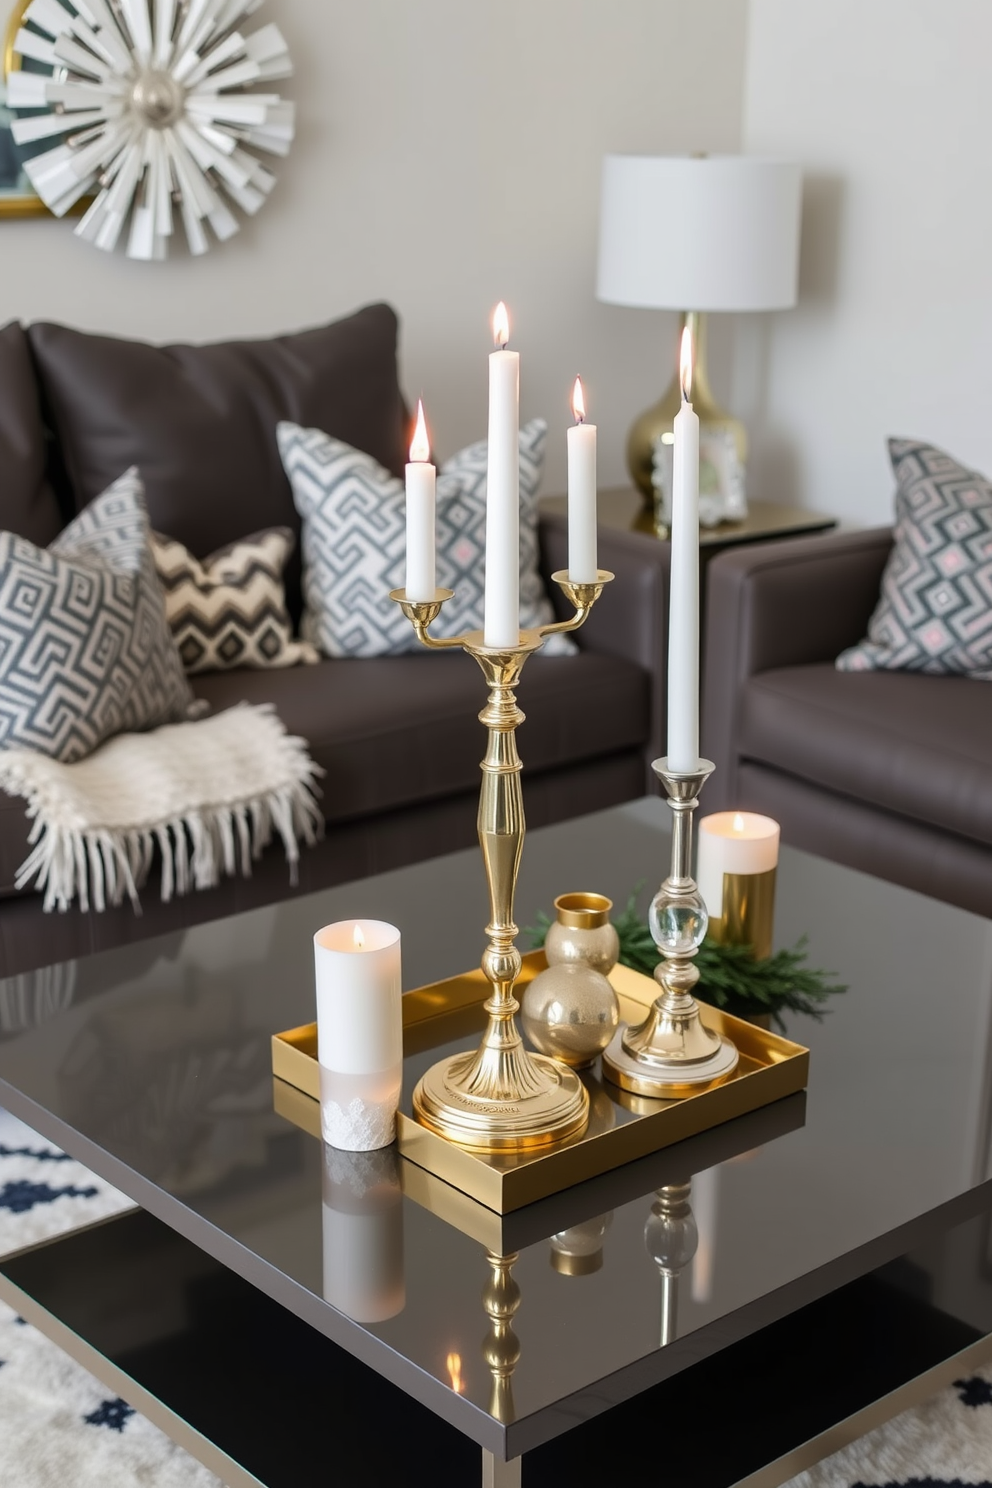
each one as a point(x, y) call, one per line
point(659, 419)
point(500, 1098)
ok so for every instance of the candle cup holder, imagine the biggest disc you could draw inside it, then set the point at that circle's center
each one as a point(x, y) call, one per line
point(500, 1098)
point(672, 1053)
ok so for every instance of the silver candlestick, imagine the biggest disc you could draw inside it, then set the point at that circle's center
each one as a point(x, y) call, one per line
point(672, 1053)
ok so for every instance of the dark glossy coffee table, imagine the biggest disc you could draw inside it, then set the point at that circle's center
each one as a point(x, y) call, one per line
point(843, 1266)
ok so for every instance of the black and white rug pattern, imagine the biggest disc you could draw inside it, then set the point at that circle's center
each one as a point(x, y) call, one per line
point(58, 1424)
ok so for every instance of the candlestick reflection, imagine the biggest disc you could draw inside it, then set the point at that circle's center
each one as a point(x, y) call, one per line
point(578, 402)
point(685, 365)
point(501, 326)
point(420, 445)
point(454, 1365)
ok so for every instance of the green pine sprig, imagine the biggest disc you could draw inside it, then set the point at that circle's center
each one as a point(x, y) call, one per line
point(729, 976)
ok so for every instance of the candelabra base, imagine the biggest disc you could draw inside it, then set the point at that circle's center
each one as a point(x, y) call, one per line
point(667, 1079)
point(557, 1106)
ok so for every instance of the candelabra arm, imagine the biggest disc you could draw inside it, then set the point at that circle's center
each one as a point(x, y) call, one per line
point(582, 596)
point(422, 613)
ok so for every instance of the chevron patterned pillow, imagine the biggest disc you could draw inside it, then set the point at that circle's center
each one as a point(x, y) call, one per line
point(354, 543)
point(229, 610)
point(85, 650)
point(935, 610)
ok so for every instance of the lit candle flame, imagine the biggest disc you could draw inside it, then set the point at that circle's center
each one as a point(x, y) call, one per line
point(738, 822)
point(685, 365)
point(359, 938)
point(455, 1373)
point(420, 445)
point(578, 402)
point(501, 326)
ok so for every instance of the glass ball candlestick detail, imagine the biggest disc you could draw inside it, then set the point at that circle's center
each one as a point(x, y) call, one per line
point(673, 1052)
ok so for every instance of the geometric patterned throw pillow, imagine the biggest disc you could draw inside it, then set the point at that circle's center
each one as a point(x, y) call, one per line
point(935, 610)
point(85, 649)
point(229, 610)
point(354, 543)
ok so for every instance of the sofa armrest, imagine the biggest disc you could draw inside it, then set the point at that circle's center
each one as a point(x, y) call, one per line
point(779, 604)
point(631, 618)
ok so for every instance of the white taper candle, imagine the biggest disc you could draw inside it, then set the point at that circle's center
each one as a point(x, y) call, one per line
point(581, 446)
point(502, 605)
point(421, 481)
point(683, 625)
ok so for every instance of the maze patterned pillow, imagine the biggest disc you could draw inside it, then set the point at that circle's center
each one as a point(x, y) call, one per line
point(935, 610)
point(354, 543)
point(85, 649)
point(229, 610)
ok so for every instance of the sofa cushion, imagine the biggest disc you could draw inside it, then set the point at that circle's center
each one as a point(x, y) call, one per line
point(85, 648)
point(398, 730)
point(230, 609)
point(27, 503)
point(909, 743)
point(200, 421)
point(935, 609)
point(354, 543)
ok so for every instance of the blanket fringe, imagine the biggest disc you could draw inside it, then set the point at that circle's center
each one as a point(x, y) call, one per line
point(100, 868)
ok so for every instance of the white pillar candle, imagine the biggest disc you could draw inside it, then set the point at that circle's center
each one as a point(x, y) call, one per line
point(502, 607)
point(581, 444)
point(421, 479)
point(363, 1234)
point(739, 842)
point(683, 623)
point(359, 1032)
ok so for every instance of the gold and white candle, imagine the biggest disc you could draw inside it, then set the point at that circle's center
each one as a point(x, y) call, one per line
point(359, 1032)
point(735, 874)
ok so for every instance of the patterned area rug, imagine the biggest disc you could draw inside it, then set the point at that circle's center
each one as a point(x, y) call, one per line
point(59, 1425)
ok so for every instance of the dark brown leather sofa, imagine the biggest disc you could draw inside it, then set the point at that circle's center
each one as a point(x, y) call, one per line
point(398, 737)
point(889, 772)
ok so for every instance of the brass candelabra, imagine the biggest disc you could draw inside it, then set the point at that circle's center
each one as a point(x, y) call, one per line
point(500, 1098)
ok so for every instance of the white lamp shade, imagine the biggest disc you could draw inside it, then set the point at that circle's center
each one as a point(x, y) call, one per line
point(716, 233)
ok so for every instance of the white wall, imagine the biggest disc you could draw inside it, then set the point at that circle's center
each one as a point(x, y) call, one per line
point(886, 106)
point(448, 156)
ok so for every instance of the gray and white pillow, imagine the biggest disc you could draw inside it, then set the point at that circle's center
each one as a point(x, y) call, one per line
point(354, 543)
point(935, 609)
point(229, 610)
point(85, 648)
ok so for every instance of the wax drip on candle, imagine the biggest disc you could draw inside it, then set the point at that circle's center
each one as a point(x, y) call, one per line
point(578, 402)
point(501, 326)
point(685, 365)
point(420, 445)
point(359, 938)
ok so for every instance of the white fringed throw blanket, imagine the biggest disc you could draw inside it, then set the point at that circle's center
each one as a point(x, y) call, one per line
point(207, 793)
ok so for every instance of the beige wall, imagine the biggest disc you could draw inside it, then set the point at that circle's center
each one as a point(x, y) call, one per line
point(885, 104)
point(448, 155)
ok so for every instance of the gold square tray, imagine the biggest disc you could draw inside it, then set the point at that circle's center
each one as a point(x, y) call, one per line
point(621, 1127)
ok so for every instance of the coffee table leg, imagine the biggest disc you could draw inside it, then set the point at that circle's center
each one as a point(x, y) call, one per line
point(499, 1474)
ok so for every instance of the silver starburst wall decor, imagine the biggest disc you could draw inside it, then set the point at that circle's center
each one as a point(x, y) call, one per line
point(154, 101)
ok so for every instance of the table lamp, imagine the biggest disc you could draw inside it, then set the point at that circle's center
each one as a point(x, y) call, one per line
point(694, 234)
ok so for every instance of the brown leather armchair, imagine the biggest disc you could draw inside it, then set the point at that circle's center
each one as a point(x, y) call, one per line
point(889, 772)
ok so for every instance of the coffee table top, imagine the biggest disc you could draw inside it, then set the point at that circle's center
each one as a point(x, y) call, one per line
point(151, 1064)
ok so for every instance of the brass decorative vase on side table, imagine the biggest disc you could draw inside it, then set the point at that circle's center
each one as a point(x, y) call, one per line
point(500, 1098)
